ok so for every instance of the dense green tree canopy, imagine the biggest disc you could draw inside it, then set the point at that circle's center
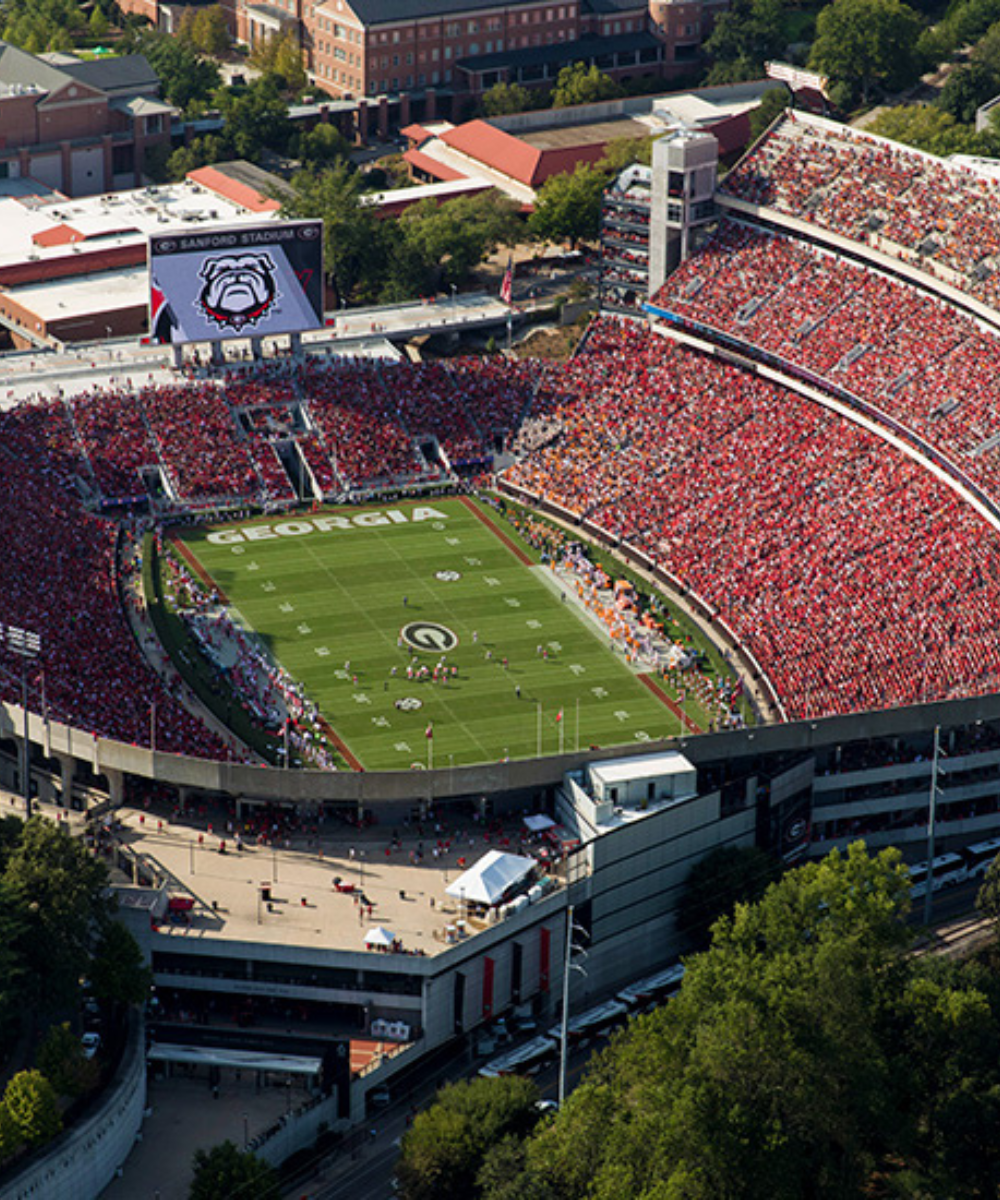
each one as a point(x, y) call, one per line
point(224, 1172)
point(867, 44)
point(568, 206)
point(743, 38)
point(445, 1148)
point(59, 891)
point(40, 25)
point(118, 974)
point(33, 1107)
point(255, 117)
point(187, 78)
point(926, 128)
point(351, 236)
point(504, 98)
point(61, 1061)
point(580, 84)
point(771, 103)
point(206, 30)
point(807, 1056)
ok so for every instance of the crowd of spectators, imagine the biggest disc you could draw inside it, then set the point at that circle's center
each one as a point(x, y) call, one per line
point(115, 439)
point(430, 406)
point(58, 580)
point(940, 217)
point(496, 391)
point(856, 578)
point(913, 357)
point(357, 420)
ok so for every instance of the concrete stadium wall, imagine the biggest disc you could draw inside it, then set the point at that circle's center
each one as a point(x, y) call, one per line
point(81, 1162)
point(368, 788)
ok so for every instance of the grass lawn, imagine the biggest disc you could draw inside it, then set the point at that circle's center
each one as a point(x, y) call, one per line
point(332, 603)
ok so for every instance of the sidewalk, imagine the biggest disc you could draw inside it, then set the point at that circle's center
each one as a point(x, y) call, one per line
point(183, 1117)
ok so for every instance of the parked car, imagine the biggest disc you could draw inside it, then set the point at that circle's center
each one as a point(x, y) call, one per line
point(91, 1044)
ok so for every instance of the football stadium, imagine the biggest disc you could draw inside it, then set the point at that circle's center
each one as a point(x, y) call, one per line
point(729, 576)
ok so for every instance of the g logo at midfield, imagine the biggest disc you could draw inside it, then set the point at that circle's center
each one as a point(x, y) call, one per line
point(427, 637)
point(239, 289)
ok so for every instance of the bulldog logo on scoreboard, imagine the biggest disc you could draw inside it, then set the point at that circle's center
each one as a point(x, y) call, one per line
point(239, 289)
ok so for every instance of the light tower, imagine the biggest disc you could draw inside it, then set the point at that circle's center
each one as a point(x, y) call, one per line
point(685, 167)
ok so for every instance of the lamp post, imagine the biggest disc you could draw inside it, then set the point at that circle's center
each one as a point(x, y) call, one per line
point(568, 965)
point(25, 643)
point(931, 820)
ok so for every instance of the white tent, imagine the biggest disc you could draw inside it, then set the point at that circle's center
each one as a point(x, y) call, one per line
point(379, 936)
point(490, 879)
point(538, 822)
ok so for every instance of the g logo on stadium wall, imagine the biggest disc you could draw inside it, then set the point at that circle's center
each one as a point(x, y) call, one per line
point(427, 637)
point(239, 289)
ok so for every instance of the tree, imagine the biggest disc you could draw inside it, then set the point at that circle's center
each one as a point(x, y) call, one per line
point(10, 1137)
point(725, 877)
point(118, 973)
point(280, 56)
point(781, 1070)
point(743, 38)
point(352, 240)
point(445, 1148)
point(568, 206)
point(98, 24)
point(927, 128)
point(288, 63)
point(62, 1062)
point(255, 118)
point(966, 89)
point(187, 79)
point(580, 84)
point(32, 1105)
point(224, 1172)
point(622, 152)
point(771, 104)
point(450, 240)
point(505, 98)
point(988, 896)
point(867, 44)
point(201, 153)
point(321, 145)
point(60, 889)
point(210, 32)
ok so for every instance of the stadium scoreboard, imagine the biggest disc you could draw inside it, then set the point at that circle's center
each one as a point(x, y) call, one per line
point(214, 284)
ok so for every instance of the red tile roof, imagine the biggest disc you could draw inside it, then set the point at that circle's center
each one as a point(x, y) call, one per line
point(231, 189)
point(415, 133)
point(430, 166)
point(58, 235)
point(494, 148)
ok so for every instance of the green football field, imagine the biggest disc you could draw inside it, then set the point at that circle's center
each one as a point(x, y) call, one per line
point(334, 595)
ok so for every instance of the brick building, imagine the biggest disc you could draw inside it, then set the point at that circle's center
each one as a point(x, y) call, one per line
point(440, 52)
point(80, 128)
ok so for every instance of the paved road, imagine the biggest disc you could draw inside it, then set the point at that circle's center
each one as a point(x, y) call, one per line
point(365, 1167)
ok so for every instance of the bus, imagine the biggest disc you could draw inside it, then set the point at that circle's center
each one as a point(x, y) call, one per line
point(979, 856)
point(948, 870)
